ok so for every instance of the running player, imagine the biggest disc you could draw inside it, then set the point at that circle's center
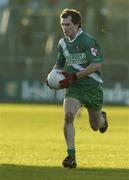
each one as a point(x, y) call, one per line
point(80, 58)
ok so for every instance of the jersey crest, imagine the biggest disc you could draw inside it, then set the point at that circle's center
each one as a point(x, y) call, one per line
point(94, 51)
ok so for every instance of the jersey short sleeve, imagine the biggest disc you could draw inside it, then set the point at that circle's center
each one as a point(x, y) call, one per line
point(60, 57)
point(93, 51)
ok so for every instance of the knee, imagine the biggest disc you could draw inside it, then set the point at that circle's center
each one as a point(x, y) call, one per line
point(94, 126)
point(69, 117)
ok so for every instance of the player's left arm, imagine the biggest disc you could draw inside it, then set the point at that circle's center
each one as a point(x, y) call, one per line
point(89, 69)
point(70, 78)
point(95, 58)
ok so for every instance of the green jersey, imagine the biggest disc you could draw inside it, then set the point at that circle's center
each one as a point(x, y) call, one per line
point(75, 55)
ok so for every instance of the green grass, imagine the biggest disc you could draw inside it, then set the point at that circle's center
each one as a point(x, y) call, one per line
point(32, 145)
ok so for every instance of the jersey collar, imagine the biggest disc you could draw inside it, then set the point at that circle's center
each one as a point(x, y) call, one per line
point(78, 33)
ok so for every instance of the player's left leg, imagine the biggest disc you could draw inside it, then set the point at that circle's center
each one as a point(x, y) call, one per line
point(104, 125)
point(71, 106)
point(98, 120)
point(78, 114)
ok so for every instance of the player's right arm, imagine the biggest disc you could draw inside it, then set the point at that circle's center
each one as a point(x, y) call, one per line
point(60, 62)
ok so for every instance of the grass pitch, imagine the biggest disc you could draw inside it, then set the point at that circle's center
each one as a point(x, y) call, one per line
point(32, 145)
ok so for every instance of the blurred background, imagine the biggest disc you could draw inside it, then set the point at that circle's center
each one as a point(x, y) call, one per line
point(29, 33)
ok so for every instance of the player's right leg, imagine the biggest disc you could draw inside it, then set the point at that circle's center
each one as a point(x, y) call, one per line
point(71, 106)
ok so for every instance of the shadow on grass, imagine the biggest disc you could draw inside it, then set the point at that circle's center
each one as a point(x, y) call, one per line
point(21, 172)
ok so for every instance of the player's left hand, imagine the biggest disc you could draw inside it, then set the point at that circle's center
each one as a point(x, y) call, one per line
point(69, 79)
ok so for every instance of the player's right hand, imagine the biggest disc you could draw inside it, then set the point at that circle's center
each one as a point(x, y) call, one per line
point(46, 81)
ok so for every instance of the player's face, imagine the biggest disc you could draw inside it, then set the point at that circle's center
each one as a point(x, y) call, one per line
point(69, 28)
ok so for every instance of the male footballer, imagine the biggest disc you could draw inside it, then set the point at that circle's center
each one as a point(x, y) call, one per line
point(80, 58)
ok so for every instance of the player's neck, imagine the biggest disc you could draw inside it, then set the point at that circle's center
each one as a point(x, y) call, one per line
point(72, 38)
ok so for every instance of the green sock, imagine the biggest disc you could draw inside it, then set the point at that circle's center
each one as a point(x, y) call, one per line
point(71, 152)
